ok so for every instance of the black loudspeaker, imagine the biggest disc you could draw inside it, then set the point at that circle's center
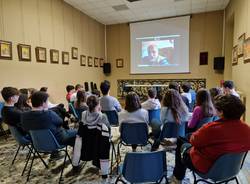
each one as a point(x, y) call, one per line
point(106, 68)
point(86, 86)
point(219, 63)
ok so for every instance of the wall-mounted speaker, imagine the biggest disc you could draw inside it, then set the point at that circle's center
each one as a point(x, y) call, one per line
point(219, 63)
point(106, 68)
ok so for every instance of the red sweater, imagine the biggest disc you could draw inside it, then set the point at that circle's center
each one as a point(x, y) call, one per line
point(217, 138)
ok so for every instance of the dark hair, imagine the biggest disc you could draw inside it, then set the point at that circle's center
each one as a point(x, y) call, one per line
point(69, 88)
point(38, 98)
point(215, 92)
point(22, 102)
point(132, 102)
point(203, 99)
point(174, 85)
point(32, 91)
point(186, 87)
point(8, 92)
point(96, 92)
point(228, 84)
point(231, 106)
point(152, 93)
point(105, 86)
point(173, 101)
point(92, 102)
point(80, 98)
point(78, 86)
point(24, 91)
point(44, 89)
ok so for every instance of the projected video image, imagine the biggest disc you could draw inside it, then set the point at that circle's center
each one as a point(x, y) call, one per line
point(157, 52)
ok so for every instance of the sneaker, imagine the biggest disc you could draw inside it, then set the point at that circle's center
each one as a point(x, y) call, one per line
point(174, 180)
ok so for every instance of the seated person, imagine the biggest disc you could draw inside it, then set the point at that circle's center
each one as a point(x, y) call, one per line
point(42, 118)
point(70, 90)
point(108, 103)
point(50, 105)
point(186, 92)
point(228, 88)
point(152, 103)
point(78, 87)
point(80, 104)
point(229, 135)
point(214, 92)
point(133, 112)
point(10, 114)
point(23, 103)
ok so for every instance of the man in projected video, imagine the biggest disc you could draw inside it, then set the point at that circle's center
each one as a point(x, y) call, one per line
point(153, 58)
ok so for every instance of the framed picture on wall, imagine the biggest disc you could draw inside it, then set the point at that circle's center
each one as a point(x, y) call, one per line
point(241, 41)
point(5, 50)
point(246, 50)
point(41, 55)
point(119, 63)
point(83, 60)
point(101, 62)
point(74, 52)
point(24, 52)
point(54, 56)
point(96, 61)
point(203, 58)
point(65, 58)
point(90, 62)
point(235, 55)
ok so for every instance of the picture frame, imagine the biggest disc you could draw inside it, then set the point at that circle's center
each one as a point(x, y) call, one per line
point(74, 52)
point(83, 60)
point(41, 54)
point(24, 52)
point(96, 62)
point(65, 58)
point(241, 41)
point(90, 62)
point(5, 50)
point(235, 55)
point(119, 63)
point(101, 60)
point(203, 58)
point(54, 56)
point(246, 50)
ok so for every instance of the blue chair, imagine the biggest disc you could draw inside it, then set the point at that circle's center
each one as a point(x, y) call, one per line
point(2, 131)
point(79, 113)
point(43, 141)
point(144, 167)
point(225, 169)
point(112, 117)
point(173, 130)
point(205, 121)
point(154, 115)
point(73, 111)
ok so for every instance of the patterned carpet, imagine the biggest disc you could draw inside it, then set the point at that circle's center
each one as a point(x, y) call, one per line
point(10, 174)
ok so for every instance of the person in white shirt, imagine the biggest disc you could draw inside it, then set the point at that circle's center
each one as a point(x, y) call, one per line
point(151, 103)
point(78, 87)
point(228, 88)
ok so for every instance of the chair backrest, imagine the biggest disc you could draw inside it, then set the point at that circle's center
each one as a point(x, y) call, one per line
point(1, 107)
point(112, 117)
point(20, 139)
point(173, 130)
point(140, 167)
point(134, 133)
point(226, 166)
point(72, 110)
point(43, 140)
point(79, 113)
point(205, 121)
point(154, 115)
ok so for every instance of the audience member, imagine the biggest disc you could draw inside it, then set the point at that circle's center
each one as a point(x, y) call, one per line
point(44, 89)
point(70, 90)
point(152, 102)
point(186, 91)
point(214, 92)
point(80, 104)
point(23, 103)
point(24, 91)
point(228, 88)
point(78, 87)
point(96, 92)
point(227, 135)
point(42, 118)
point(108, 103)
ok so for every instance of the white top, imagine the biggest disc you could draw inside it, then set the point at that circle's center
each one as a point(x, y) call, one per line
point(139, 116)
point(188, 95)
point(151, 104)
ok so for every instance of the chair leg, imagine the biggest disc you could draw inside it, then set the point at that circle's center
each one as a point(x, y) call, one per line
point(119, 179)
point(118, 157)
point(15, 154)
point(44, 163)
point(64, 162)
point(236, 179)
point(31, 166)
point(27, 161)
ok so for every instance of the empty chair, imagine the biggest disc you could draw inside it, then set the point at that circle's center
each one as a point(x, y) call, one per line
point(144, 167)
point(112, 117)
point(225, 169)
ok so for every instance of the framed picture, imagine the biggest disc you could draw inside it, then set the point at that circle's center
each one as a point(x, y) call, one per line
point(90, 61)
point(83, 60)
point(5, 50)
point(41, 55)
point(96, 61)
point(65, 58)
point(24, 52)
point(119, 63)
point(203, 58)
point(246, 50)
point(101, 62)
point(74, 51)
point(54, 56)
point(241, 41)
point(235, 55)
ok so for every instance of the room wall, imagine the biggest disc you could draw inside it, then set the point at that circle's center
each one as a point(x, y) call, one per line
point(55, 25)
point(205, 35)
point(240, 11)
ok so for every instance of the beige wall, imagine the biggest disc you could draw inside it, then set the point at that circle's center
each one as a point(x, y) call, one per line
point(205, 35)
point(55, 25)
point(239, 11)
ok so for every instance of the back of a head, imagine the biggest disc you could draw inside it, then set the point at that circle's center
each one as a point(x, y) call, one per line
point(203, 99)
point(38, 98)
point(152, 93)
point(215, 92)
point(69, 88)
point(231, 106)
point(105, 86)
point(44, 89)
point(173, 85)
point(186, 87)
point(78, 87)
point(22, 101)
point(92, 102)
point(24, 91)
point(132, 102)
point(81, 96)
point(8, 92)
point(228, 84)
